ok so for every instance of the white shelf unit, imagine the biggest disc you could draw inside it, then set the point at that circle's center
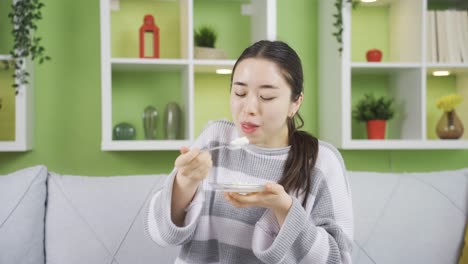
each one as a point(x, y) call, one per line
point(262, 16)
point(403, 74)
point(23, 113)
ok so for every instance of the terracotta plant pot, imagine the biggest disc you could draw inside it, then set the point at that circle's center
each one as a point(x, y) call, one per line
point(376, 129)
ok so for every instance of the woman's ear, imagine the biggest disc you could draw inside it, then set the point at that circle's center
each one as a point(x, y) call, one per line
point(296, 105)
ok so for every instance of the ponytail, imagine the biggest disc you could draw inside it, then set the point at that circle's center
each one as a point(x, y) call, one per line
point(297, 175)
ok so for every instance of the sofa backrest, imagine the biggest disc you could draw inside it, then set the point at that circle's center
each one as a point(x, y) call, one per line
point(399, 218)
point(22, 210)
point(409, 217)
point(97, 220)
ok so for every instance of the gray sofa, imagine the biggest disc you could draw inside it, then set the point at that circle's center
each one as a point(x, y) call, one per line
point(63, 219)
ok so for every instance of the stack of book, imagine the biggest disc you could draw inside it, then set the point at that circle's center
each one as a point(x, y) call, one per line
point(447, 36)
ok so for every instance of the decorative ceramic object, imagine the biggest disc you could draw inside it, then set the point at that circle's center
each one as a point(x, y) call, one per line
point(172, 121)
point(124, 131)
point(149, 32)
point(374, 55)
point(449, 126)
point(150, 122)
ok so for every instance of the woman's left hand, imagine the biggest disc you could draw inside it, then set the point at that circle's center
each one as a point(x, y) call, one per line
point(274, 197)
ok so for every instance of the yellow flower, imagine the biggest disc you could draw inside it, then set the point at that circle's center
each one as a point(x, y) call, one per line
point(447, 103)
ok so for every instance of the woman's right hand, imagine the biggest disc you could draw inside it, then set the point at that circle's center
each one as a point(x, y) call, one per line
point(192, 166)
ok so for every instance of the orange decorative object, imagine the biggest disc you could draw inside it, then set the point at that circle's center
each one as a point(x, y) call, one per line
point(149, 38)
point(376, 129)
point(374, 55)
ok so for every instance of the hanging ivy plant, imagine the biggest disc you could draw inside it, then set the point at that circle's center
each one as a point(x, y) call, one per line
point(339, 20)
point(23, 16)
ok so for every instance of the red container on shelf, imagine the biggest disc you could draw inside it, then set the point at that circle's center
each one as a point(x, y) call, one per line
point(151, 31)
point(374, 55)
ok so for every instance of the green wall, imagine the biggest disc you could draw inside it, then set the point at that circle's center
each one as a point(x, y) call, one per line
point(6, 39)
point(68, 101)
point(370, 30)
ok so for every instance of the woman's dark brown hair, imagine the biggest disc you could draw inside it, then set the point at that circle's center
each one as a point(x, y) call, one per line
point(304, 147)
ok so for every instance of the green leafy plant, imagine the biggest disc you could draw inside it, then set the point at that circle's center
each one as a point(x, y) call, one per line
point(205, 36)
point(372, 108)
point(24, 16)
point(338, 24)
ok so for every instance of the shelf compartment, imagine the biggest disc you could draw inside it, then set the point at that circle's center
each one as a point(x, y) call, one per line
point(5, 29)
point(132, 91)
point(402, 84)
point(5, 57)
point(446, 34)
point(145, 145)
point(8, 108)
point(124, 64)
point(382, 67)
point(170, 16)
point(392, 26)
point(437, 86)
point(211, 99)
point(405, 144)
point(16, 115)
point(238, 23)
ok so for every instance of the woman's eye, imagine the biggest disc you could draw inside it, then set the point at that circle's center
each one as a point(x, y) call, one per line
point(240, 94)
point(267, 98)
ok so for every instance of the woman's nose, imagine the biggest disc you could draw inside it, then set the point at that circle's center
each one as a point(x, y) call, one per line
point(251, 105)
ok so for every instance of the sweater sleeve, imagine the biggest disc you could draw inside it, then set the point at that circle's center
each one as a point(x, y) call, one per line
point(161, 228)
point(320, 233)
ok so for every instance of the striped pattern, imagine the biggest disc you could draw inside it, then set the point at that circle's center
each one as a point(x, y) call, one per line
point(217, 232)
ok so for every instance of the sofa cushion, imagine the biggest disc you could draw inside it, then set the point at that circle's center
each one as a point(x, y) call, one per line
point(409, 217)
point(22, 210)
point(97, 220)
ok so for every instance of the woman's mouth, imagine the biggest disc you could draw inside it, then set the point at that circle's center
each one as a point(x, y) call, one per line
point(248, 128)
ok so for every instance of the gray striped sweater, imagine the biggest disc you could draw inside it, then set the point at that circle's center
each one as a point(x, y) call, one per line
point(217, 232)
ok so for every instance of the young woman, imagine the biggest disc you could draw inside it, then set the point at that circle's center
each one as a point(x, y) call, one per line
point(304, 214)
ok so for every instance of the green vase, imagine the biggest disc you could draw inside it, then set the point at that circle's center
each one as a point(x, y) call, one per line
point(172, 121)
point(124, 131)
point(150, 122)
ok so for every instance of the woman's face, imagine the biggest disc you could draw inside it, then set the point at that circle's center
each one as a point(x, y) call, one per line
point(261, 102)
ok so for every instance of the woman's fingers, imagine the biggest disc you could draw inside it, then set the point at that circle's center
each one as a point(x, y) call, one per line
point(233, 200)
point(243, 200)
point(193, 163)
point(274, 188)
point(184, 150)
point(269, 198)
point(186, 157)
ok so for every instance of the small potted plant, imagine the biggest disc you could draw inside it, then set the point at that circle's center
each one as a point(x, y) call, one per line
point(375, 112)
point(205, 40)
